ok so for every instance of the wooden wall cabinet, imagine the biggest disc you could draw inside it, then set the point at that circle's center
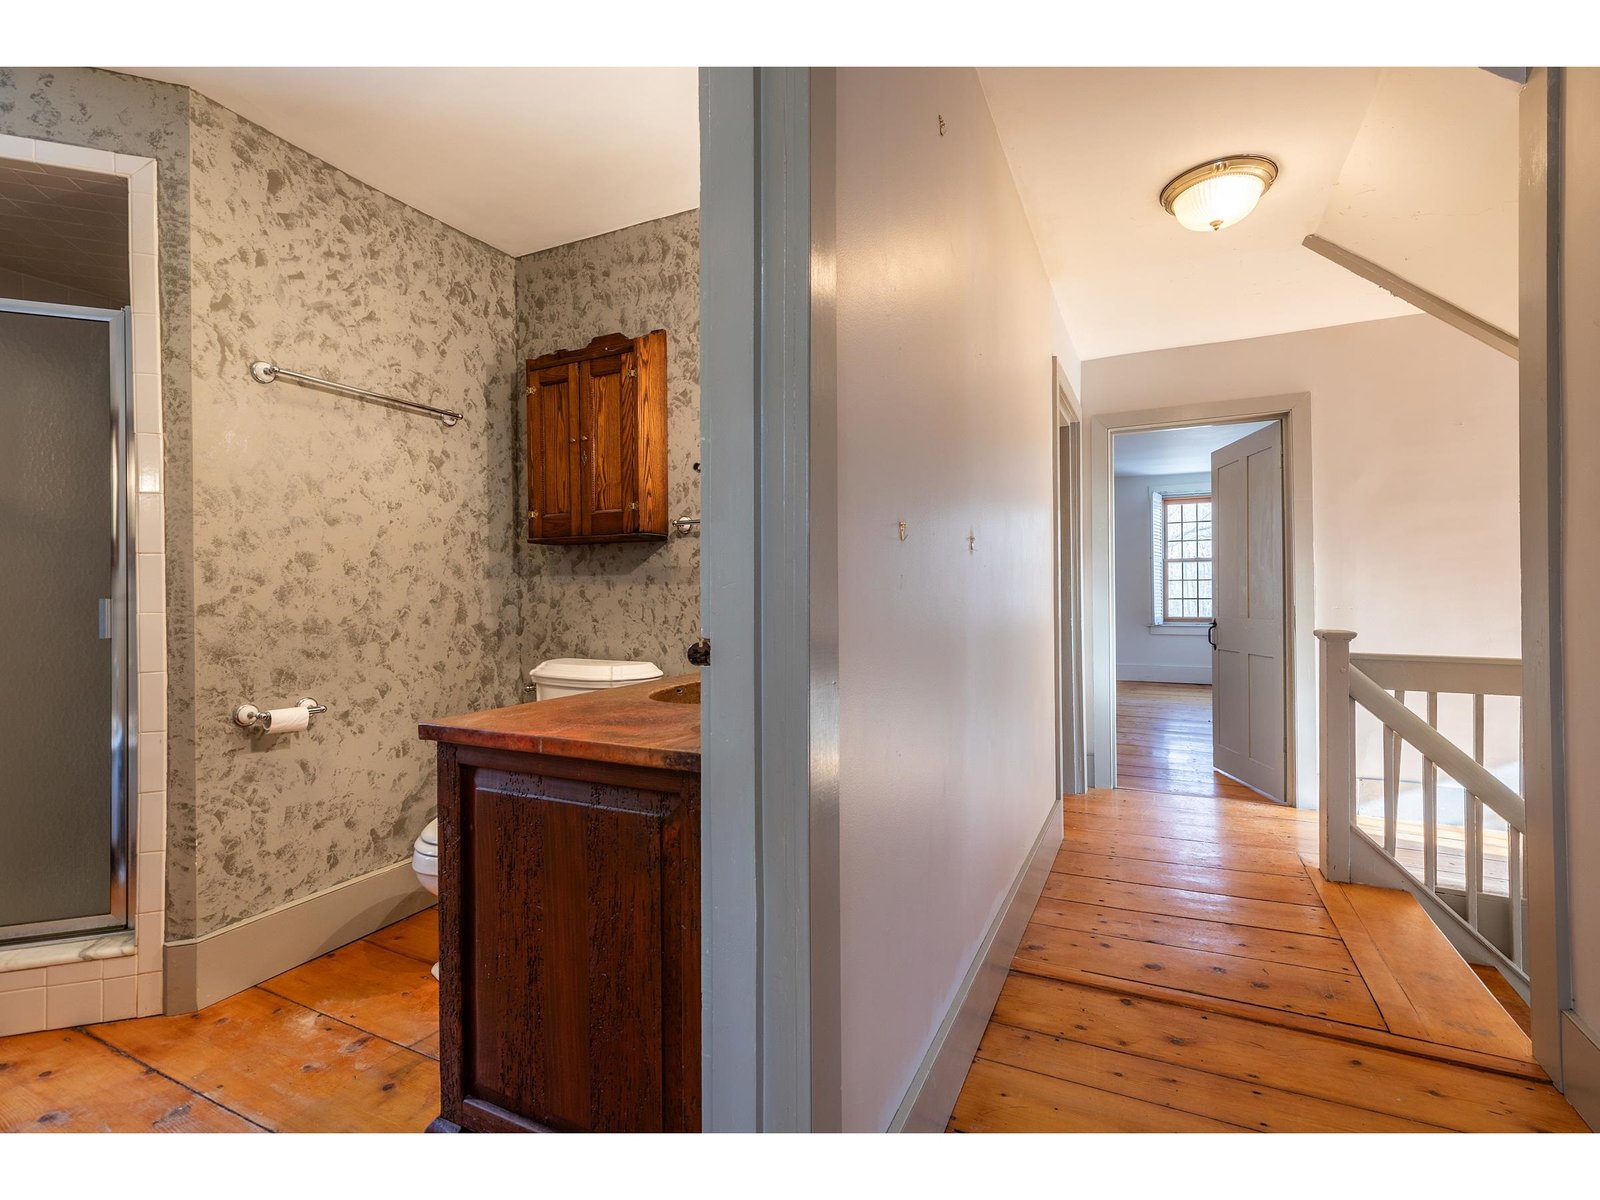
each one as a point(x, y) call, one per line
point(597, 442)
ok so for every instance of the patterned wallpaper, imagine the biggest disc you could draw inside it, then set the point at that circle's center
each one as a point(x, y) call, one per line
point(637, 601)
point(359, 555)
point(320, 546)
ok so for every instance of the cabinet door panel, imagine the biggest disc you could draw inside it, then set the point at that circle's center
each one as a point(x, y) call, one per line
point(553, 453)
point(563, 971)
point(610, 444)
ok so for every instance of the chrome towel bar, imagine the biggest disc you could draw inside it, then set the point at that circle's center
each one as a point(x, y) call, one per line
point(265, 372)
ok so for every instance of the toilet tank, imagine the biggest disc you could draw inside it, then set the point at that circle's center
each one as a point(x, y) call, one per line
point(568, 676)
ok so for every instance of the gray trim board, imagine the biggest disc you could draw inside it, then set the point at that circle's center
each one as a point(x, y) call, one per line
point(1581, 1050)
point(1434, 306)
point(931, 1098)
point(203, 970)
point(770, 708)
point(827, 1019)
point(730, 1018)
point(1544, 781)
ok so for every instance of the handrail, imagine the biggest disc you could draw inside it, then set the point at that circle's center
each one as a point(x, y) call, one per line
point(1380, 683)
point(1430, 673)
point(1449, 757)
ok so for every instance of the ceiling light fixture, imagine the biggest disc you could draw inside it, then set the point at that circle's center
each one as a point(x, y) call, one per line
point(1219, 193)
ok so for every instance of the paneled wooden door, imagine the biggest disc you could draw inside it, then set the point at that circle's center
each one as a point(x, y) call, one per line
point(608, 444)
point(1249, 692)
point(553, 429)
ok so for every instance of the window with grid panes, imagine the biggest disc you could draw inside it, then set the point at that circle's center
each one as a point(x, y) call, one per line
point(1186, 558)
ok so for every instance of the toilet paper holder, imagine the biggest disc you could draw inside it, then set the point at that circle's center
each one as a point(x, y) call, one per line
point(248, 716)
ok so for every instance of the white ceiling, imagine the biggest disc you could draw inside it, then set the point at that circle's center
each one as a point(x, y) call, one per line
point(1175, 451)
point(1090, 149)
point(523, 158)
point(1429, 189)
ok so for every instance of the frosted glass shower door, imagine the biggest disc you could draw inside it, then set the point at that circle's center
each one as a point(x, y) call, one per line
point(63, 624)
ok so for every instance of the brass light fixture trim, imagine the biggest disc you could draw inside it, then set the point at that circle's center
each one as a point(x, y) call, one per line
point(1262, 167)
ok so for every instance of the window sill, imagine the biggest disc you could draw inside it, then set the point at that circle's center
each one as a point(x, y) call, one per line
point(1176, 628)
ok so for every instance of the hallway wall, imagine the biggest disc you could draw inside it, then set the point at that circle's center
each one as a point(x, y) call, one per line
point(1415, 538)
point(945, 403)
point(1414, 470)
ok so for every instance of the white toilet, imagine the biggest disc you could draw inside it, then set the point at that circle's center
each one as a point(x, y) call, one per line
point(552, 678)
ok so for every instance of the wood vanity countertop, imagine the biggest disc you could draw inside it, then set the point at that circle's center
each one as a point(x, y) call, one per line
point(615, 725)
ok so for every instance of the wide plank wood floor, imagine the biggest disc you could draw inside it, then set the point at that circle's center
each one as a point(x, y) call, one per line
point(1188, 968)
point(347, 1043)
point(1164, 741)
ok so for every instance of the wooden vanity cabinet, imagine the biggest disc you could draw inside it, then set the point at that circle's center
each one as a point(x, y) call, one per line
point(597, 442)
point(569, 909)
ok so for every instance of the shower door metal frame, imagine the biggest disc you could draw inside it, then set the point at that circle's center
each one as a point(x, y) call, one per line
point(124, 667)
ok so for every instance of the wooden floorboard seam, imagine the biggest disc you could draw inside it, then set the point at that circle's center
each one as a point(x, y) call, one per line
point(157, 1071)
point(1162, 1063)
point(1000, 1062)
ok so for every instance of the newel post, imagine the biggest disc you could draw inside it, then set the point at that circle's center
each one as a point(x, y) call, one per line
point(1337, 753)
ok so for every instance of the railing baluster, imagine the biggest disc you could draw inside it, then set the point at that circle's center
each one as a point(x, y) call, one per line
point(1393, 745)
point(1514, 891)
point(1337, 759)
point(1472, 818)
point(1391, 788)
point(1430, 807)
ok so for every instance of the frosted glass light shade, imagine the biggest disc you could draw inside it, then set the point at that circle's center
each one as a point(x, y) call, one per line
point(1214, 195)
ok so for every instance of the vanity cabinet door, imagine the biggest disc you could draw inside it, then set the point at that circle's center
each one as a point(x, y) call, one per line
point(569, 945)
point(554, 462)
point(608, 441)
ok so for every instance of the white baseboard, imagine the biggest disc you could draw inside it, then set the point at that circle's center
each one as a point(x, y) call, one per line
point(203, 970)
point(931, 1097)
point(1164, 673)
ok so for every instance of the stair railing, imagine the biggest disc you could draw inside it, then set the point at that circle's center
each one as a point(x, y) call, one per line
point(1379, 683)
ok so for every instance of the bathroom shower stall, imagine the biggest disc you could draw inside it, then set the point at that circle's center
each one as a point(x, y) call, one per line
point(66, 657)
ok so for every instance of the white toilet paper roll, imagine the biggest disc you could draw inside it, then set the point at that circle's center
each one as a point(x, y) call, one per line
point(289, 720)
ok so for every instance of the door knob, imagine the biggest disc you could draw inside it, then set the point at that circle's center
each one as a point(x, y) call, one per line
point(699, 654)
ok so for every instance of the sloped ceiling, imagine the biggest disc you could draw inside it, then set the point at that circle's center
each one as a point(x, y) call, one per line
point(1429, 188)
point(523, 158)
point(1091, 148)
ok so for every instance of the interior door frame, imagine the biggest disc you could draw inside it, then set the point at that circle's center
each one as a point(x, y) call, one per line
point(1300, 659)
point(770, 1003)
point(1066, 543)
point(1562, 1044)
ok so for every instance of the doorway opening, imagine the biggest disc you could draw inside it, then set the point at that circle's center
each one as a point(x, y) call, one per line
point(1200, 637)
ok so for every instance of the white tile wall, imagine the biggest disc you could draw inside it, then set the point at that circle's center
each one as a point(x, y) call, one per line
point(73, 992)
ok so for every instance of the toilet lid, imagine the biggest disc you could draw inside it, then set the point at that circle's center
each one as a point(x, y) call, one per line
point(611, 671)
point(430, 834)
